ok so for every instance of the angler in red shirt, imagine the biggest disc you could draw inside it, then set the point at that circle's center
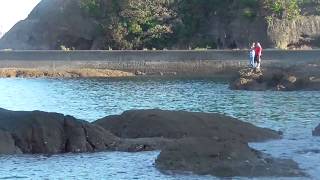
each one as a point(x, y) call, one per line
point(258, 53)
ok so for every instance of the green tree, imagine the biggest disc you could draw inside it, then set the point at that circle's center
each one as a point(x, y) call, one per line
point(283, 9)
point(141, 24)
point(93, 7)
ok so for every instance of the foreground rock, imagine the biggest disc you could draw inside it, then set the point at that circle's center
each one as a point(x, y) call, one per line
point(203, 143)
point(316, 131)
point(50, 133)
point(223, 158)
point(75, 73)
point(277, 79)
point(200, 142)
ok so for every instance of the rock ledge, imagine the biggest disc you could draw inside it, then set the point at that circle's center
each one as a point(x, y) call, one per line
point(276, 79)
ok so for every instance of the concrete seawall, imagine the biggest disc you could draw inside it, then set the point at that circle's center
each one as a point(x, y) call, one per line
point(178, 62)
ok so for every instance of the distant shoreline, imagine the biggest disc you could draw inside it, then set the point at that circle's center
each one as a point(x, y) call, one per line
point(67, 73)
point(168, 62)
point(108, 55)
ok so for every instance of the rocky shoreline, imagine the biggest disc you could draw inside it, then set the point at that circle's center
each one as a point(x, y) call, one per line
point(278, 79)
point(65, 73)
point(204, 143)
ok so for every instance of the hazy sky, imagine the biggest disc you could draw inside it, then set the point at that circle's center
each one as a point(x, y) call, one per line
point(12, 11)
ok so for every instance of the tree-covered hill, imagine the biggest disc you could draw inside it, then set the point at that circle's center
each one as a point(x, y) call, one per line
point(167, 24)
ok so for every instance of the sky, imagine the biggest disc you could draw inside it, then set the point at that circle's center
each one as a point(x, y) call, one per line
point(12, 11)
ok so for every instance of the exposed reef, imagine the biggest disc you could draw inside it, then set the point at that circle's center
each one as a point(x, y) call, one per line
point(277, 79)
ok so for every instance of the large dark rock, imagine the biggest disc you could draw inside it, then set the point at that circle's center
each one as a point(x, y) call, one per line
point(49, 133)
point(277, 79)
point(203, 143)
point(316, 131)
point(180, 124)
point(223, 158)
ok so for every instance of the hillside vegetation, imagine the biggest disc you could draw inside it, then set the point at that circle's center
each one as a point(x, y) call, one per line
point(168, 24)
point(138, 24)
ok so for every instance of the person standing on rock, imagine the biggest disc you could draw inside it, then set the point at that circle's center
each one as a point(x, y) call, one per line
point(252, 55)
point(258, 53)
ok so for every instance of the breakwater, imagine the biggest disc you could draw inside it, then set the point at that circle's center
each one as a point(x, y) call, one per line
point(207, 62)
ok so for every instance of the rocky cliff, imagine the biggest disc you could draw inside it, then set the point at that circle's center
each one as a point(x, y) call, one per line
point(59, 24)
point(302, 32)
point(51, 24)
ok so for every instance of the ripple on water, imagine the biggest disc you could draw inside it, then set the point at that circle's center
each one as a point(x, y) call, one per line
point(294, 113)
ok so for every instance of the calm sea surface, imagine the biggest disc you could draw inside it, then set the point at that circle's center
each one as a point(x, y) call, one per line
point(294, 113)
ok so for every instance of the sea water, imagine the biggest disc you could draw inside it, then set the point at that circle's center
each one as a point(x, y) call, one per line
point(296, 114)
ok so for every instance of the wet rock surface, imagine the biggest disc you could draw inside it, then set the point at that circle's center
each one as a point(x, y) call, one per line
point(277, 79)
